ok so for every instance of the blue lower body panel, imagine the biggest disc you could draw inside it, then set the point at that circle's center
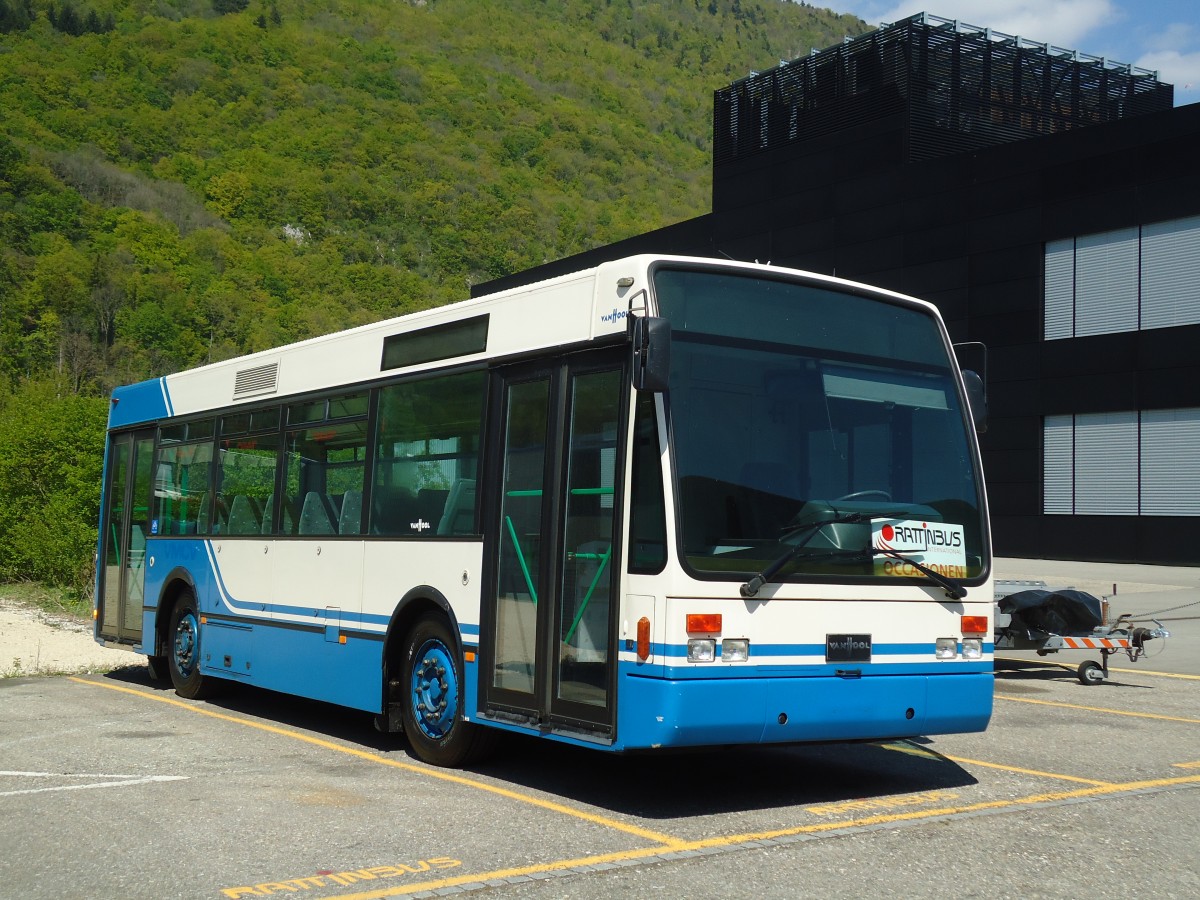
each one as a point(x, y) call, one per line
point(697, 712)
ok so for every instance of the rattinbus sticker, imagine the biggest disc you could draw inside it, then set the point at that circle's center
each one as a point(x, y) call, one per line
point(938, 545)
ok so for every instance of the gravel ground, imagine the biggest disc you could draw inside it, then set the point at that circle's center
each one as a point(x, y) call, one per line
point(34, 642)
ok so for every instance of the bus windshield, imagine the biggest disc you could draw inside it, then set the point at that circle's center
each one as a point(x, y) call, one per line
point(817, 425)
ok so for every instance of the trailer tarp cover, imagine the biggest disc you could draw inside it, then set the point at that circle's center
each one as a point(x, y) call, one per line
point(1053, 612)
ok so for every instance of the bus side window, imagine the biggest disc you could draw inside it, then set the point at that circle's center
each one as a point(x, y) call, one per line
point(181, 485)
point(648, 514)
point(325, 464)
point(245, 481)
point(427, 456)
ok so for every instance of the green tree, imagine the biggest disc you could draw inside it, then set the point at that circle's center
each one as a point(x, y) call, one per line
point(51, 451)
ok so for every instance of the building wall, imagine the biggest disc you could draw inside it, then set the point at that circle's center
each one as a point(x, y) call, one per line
point(968, 232)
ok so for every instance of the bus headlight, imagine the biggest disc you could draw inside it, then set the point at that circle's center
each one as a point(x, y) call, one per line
point(735, 650)
point(947, 648)
point(702, 650)
point(972, 648)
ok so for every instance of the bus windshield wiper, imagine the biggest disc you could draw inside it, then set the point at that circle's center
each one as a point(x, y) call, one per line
point(808, 530)
point(954, 589)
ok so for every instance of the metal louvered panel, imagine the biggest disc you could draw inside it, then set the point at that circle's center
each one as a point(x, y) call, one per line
point(1171, 273)
point(1106, 282)
point(257, 381)
point(1106, 464)
point(1060, 289)
point(1170, 444)
point(960, 87)
point(1058, 465)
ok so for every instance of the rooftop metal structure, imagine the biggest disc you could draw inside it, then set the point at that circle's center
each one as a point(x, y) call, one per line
point(960, 87)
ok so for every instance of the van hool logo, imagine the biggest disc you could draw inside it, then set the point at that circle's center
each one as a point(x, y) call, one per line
point(848, 648)
point(615, 316)
point(848, 644)
point(419, 525)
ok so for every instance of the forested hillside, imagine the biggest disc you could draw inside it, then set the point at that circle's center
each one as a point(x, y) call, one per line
point(186, 180)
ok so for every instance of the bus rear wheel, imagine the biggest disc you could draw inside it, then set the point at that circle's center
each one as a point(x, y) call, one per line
point(433, 705)
point(184, 658)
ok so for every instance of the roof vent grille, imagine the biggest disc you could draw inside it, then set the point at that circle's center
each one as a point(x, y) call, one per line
point(256, 381)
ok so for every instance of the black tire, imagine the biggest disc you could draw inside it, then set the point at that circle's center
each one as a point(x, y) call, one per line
point(432, 681)
point(1090, 673)
point(158, 667)
point(183, 657)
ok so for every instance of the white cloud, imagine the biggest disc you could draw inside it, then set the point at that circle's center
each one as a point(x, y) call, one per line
point(1064, 23)
point(1174, 52)
point(1179, 69)
point(1176, 36)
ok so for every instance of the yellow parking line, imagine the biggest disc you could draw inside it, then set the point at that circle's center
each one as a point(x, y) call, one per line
point(1102, 709)
point(887, 818)
point(1187, 765)
point(667, 842)
point(905, 747)
point(1020, 771)
point(733, 840)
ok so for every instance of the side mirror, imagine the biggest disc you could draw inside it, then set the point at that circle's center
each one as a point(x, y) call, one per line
point(976, 398)
point(650, 358)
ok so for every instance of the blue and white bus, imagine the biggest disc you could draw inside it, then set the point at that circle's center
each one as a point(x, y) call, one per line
point(663, 502)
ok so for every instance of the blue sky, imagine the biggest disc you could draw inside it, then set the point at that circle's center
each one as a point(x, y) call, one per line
point(1153, 34)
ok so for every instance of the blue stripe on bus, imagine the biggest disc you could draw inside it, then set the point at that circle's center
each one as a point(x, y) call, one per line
point(248, 609)
point(759, 653)
point(146, 401)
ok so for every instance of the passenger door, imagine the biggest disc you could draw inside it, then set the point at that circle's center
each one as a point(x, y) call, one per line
point(123, 536)
point(548, 643)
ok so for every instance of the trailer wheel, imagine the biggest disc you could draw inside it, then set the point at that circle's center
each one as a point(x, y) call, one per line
point(1090, 672)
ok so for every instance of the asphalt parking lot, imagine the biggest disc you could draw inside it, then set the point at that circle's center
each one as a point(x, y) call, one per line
point(111, 786)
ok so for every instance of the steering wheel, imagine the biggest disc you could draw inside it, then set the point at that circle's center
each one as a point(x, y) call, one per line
point(858, 495)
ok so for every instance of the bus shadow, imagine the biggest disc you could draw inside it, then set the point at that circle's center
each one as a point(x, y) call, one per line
point(284, 711)
point(721, 780)
point(652, 785)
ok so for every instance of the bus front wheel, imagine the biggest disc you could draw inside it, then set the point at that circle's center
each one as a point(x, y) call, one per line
point(433, 706)
point(184, 657)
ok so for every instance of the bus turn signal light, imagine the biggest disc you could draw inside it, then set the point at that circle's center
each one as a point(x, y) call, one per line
point(974, 626)
point(643, 639)
point(704, 623)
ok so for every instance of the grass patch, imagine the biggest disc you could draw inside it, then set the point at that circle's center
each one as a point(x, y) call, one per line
point(54, 600)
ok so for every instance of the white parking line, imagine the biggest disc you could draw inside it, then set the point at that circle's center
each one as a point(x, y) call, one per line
point(112, 781)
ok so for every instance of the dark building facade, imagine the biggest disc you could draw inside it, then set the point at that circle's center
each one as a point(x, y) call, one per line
point(1047, 203)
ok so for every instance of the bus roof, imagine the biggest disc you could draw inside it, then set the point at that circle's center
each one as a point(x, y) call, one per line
point(584, 306)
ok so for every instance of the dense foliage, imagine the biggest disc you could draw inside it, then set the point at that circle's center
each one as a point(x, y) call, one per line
point(52, 445)
point(187, 180)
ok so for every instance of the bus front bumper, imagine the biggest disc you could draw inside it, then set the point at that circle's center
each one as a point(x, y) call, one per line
point(699, 712)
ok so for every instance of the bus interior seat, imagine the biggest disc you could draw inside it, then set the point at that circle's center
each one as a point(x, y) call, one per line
point(202, 505)
point(245, 516)
point(316, 515)
point(268, 509)
point(211, 515)
point(350, 516)
point(459, 515)
point(288, 517)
